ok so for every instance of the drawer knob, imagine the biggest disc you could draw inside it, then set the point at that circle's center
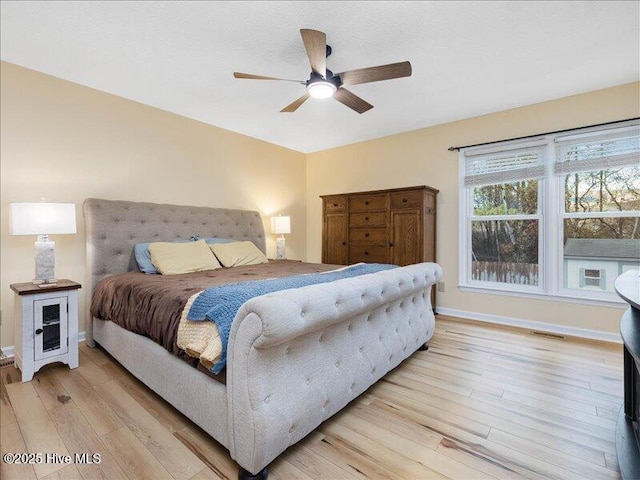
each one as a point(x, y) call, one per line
point(366, 203)
point(391, 244)
point(344, 243)
point(39, 331)
point(366, 234)
point(366, 253)
point(404, 200)
point(366, 218)
point(335, 204)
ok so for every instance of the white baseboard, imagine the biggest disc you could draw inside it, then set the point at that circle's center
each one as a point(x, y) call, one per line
point(533, 325)
point(10, 351)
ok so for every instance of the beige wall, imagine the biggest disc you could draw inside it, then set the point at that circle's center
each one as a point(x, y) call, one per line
point(65, 142)
point(421, 157)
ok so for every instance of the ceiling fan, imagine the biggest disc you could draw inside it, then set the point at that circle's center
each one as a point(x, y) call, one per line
point(323, 83)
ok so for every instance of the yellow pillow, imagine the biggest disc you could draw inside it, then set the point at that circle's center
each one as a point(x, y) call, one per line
point(175, 258)
point(235, 254)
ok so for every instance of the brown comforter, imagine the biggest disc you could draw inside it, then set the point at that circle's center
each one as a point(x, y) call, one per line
point(151, 305)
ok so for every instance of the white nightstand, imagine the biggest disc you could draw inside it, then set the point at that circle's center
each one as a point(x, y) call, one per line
point(46, 326)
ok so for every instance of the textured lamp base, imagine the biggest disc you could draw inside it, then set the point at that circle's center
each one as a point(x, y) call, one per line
point(45, 261)
point(280, 248)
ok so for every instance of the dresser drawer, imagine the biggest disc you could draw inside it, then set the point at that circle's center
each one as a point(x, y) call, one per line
point(368, 254)
point(366, 203)
point(369, 236)
point(406, 199)
point(373, 219)
point(335, 204)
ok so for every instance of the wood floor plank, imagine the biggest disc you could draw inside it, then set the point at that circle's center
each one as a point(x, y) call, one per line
point(402, 466)
point(335, 450)
point(206, 474)
point(80, 438)
point(49, 389)
point(70, 472)
point(210, 452)
point(99, 415)
point(550, 454)
point(178, 460)
point(91, 371)
point(38, 431)
point(96, 354)
point(132, 456)
point(281, 469)
point(11, 441)
point(314, 465)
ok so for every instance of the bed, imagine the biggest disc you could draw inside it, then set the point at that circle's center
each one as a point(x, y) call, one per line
point(294, 357)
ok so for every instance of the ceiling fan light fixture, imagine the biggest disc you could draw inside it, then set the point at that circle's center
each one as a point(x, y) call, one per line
point(321, 89)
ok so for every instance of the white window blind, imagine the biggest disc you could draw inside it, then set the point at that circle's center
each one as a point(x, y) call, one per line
point(504, 166)
point(587, 152)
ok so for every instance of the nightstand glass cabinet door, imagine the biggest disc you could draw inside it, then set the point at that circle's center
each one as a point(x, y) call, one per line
point(50, 327)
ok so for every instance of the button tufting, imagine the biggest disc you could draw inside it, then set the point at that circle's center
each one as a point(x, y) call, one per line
point(266, 399)
point(307, 381)
point(361, 349)
point(352, 386)
point(292, 428)
point(338, 364)
point(326, 403)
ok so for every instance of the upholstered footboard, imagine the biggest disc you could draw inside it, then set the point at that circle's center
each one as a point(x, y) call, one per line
point(297, 357)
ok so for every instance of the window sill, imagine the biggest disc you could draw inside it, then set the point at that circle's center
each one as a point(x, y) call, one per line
point(555, 297)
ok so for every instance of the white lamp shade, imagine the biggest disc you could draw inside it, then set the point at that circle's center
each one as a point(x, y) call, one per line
point(280, 225)
point(42, 218)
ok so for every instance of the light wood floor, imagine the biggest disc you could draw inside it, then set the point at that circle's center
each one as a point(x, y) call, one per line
point(483, 402)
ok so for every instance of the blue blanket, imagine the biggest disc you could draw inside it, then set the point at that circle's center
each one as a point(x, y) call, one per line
point(220, 304)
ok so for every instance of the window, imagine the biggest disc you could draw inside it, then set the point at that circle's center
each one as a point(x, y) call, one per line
point(591, 278)
point(559, 215)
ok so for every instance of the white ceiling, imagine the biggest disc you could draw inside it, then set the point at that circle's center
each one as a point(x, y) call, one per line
point(468, 58)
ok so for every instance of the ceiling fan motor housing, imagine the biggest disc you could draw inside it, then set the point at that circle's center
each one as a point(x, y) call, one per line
point(330, 77)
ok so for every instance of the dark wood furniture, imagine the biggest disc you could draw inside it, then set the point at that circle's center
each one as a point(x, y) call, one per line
point(627, 437)
point(382, 226)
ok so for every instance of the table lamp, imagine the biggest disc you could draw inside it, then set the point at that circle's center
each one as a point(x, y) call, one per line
point(43, 219)
point(280, 225)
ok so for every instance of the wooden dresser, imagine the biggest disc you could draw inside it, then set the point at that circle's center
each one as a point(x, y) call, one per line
point(383, 226)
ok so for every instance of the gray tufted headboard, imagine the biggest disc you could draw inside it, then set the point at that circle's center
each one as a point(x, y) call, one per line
point(112, 228)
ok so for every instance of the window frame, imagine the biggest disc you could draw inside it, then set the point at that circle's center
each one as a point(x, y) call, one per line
point(550, 215)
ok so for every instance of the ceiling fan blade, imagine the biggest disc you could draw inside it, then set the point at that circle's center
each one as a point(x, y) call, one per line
point(292, 107)
point(315, 43)
point(352, 101)
point(250, 76)
point(375, 74)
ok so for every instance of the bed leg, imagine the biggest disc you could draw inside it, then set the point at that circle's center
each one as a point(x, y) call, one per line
point(245, 475)
point(424, 347)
